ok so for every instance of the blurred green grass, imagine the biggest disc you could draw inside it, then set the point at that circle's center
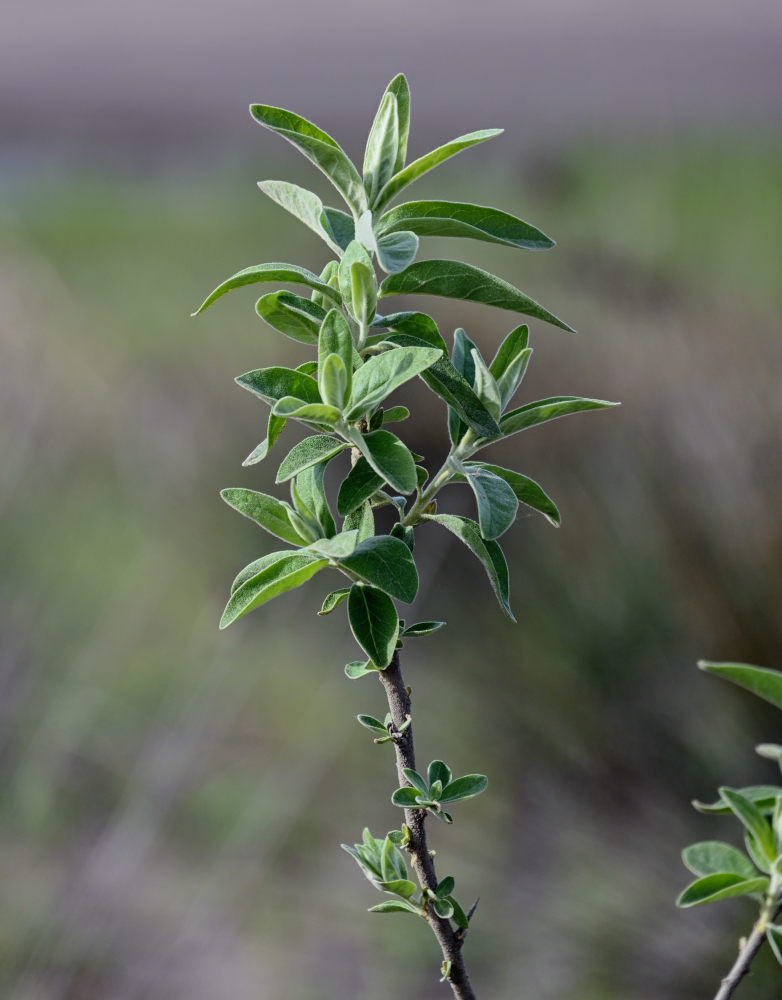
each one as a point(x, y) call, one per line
point(174, 798)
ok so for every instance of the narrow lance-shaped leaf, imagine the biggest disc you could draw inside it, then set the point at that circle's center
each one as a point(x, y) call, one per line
point(425, 163)
point(401, 91)
point(319, 147)
point(303, 204)
point(764, 797)
point(461, 219)
point(489, 553)
point(273, 431)
point(381, 375)
point(273, 384)
point(374, 622)
point(259, 273)
point(333, 600)
point(382, 147)
point(753, 820)
point(333, 381)
point(527, 491)
point(357, 285)
point(496, 500)
point(767, 684)
point(454, 279)
point(395, 906)
point(542, 410)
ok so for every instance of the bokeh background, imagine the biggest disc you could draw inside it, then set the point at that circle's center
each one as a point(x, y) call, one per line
point(173, 798)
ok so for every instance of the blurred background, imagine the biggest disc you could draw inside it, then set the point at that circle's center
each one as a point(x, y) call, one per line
point(173, 798)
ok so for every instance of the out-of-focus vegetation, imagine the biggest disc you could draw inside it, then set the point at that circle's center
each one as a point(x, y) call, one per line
point(172, 801)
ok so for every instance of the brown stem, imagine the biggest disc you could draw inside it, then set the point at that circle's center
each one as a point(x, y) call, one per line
point(449, 940)
point(747, 953)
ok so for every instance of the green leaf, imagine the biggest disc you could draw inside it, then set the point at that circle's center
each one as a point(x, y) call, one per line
point(753, 819)
point(423, 164)
point(370, 722)
point(269, 512)
point(461, 219)
point(486, 387)
point(439, 771)
point(363, 520)
point(382, 147)
point(333, 600)
point(312, 493)
point(767, 684)
point(373, 622)
point(709, 857)
point(511, 379)
point(416, 324)
point(489, 553)
point(339, 226)
point(395, 906)
point(273, 384)
point(296, 409)
point(396, 251)
point(335, 338)
point(459, 916)
point(446, 886)
point(497, 502)
point(358, 669)
point(382, 374)
point(406, 797)
point(268, 272)
point(329, 275)
point(515, 342)
point(390, 458)
point(464, 788)
point(333, 382)
point(286, 573)
point(532, 414)
point(443, 908)
point(338, 547)
point(395, 414)
point(774, 935)
point(416, 780)
point(312, 450)
point(304, 205)
point(421, 629)
point(386, 563)
point(359, 484)
point(454, 279)
point(296, 317)
point(401, 887)
point(764, 797)
point(319, 148)
point(358, 286)
point(723, 885)
point(273, 431)
point(527, 491)
point(399, 88)
point(759, 859)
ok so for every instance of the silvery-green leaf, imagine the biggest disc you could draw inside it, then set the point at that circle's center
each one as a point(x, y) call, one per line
point(532, 414)
point(382, 147)
point(373, 622)
point(363, 520)
point(709, 857)
point(273, 431)
point(764, 797)
point(423, 164)
point(339, 226)
point(303, 204)
point(311, 493)
point(517, 340)
point(489, 553)
point(364, 232)
point(269, 512)
point(439, 771)
point(723, 885)
point(753, 819)
point(318, 147)
point(357, 283)
point(461, 219)
point(296, 317)
point(333, 600)
point(390, 458)
point(767, 684)
point(384, 373)
point(395, 414)
point(421, 629)
point(396, 251)
point(464, 788)
point(511, 378)
point(496, 500)
point(395, 906)
point(416, 324)
point(359, 485)
point(416, 780)
point(454, 279)
point(259, 273)
point(290, 570)
point(333, 382)
point(360, 668)
point(338, 547)
point(296, 409)
point(386, 563)
point(310, 451)
point(485, 386)
point(443, 908)
point(399, 88)
point(335, 338)
point(273, 384)
point(527, 490)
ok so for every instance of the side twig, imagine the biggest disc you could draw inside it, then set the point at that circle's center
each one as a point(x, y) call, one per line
point(421, 859)
point(746, 954)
